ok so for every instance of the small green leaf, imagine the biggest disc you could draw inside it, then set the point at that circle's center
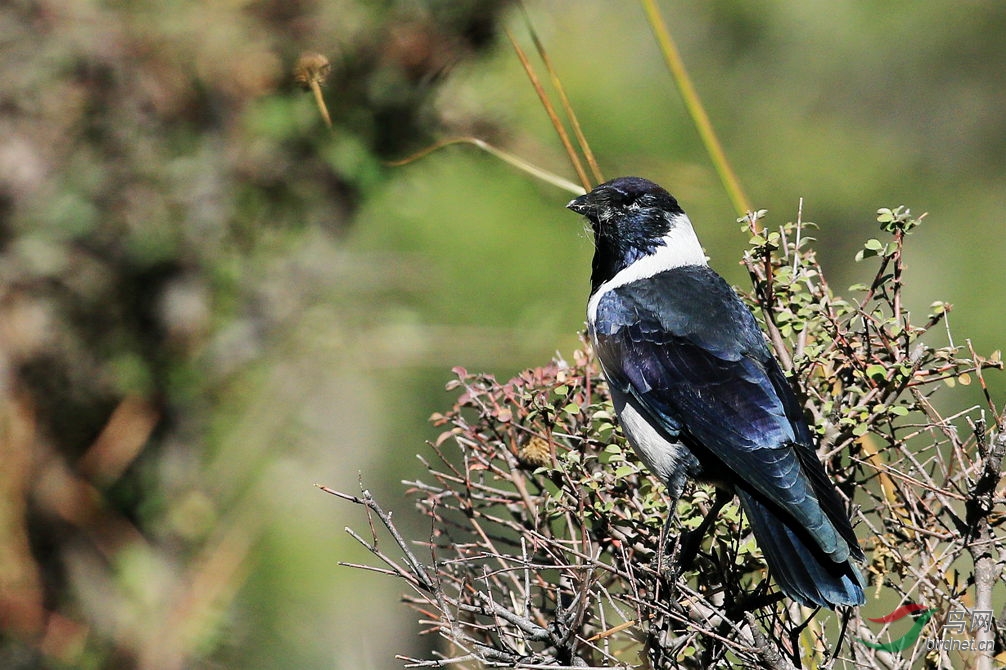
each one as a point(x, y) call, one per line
point(876, 372)
point(625, 471)
point(691, 523)
point(571, 456)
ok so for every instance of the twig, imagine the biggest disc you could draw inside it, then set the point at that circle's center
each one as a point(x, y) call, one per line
point(988, 568)
point(417, 570)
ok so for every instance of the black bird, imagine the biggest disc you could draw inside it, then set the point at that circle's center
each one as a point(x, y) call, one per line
point(700, 396)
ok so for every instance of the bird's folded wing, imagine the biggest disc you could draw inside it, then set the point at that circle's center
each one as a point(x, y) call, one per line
point(697, 363)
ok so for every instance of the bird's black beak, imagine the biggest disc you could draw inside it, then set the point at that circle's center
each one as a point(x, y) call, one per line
point(580, 205)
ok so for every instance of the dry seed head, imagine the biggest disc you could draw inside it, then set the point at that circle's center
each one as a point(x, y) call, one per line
point(536, 453)
point(311, 68)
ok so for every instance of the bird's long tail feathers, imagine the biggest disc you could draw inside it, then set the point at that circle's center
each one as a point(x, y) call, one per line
point(803, 571)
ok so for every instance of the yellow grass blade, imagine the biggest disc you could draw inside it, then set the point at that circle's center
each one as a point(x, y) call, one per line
point(574, 158)
point(505, 156)
point(566, 106)
point(695, 108)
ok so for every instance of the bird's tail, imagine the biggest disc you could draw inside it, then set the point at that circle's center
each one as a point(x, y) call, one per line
point(802, 569)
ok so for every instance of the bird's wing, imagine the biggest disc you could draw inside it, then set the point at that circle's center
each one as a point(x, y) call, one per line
point(690, 352)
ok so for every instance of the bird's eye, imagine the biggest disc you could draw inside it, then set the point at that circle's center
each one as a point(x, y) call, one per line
point(622, 199)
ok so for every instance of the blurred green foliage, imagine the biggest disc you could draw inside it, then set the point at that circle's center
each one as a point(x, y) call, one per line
point(209, 301)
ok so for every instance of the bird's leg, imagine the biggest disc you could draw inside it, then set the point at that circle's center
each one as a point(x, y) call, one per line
point(688, 544)
point(665, 531)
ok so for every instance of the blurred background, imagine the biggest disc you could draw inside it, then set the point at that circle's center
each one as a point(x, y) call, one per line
point(210, 302)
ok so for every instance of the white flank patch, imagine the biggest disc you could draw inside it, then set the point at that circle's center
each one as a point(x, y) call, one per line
point(664, 459)
point(681, 247)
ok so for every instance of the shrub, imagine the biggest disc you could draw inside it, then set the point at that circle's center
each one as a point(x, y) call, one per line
point(545, 528)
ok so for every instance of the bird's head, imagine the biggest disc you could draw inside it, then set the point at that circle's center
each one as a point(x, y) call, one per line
point(633, 219)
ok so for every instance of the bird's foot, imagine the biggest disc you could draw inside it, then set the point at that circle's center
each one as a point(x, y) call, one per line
point(677, 554)
point(666, 565)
